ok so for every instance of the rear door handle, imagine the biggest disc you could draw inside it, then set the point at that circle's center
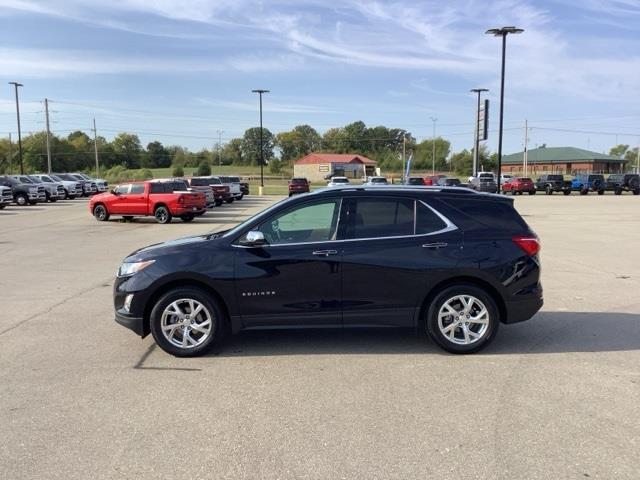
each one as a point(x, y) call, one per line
point(435, 245)
point(324, 253)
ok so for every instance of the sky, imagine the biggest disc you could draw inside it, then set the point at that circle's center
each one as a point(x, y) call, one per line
point(182, 71)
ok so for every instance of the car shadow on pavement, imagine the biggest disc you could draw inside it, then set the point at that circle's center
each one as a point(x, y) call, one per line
point(547, 332)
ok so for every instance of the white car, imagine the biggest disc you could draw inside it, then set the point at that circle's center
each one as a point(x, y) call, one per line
point(374, 181)
point(338, 182)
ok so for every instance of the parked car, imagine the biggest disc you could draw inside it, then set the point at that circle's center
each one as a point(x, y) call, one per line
point(484, 182)
point(88, 187)
point(53, 190)
point(183, 185)
point(519, 185)
point(314, 260)
point(244, 186)
point(415, 181)
point(623, 182)
point(150, 198)
point(550, 183)
point(72, 189)
point(234, 188)
point(338, 181)
point(373, 181)
point(505, 177)
point(101, 184)
point(449, 182)
point(6, 197)
point(298, 185)
point(220, 191)
point(585, 183)
point(24, 193)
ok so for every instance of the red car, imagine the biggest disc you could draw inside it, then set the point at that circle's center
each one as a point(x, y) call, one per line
point(140, 199)
point(298, 185)
point(519, 185)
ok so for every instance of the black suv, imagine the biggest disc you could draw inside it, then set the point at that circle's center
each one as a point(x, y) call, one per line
point(448, 261)
point(619, 182)
point(553, 183)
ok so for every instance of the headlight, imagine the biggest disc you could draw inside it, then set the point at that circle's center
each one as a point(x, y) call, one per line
point(127, 269)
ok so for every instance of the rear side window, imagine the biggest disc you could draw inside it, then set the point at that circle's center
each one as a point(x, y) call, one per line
point(137, 188)
point(494, 214)
point(427, 221)
point(381, 217)
point(156, 188)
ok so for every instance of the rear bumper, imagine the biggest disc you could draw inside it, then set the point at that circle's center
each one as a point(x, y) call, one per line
point(523, 307)
point(185, 210)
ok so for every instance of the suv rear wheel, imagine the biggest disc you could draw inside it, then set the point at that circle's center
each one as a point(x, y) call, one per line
point(186, 322)
point(462, 319)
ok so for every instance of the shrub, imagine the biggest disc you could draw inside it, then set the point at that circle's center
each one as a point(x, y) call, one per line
point(178, 171)
point(203, 170)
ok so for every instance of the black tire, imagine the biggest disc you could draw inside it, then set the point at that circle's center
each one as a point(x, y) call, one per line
point(21, 199)
point(2, 207)
point(290, 193)
point(634, 183)
point(532, 192)
point(600, 192)
point(32, 202)
point(240, 197)
point(187, 218)
point(162, 214)
point(433, 329)
point(548, 190)
point(617, 191)
point(100, 213)
point(230, 200)
point(584, 191)
point(219, 202)
point(567, 192)
point(218, 321)
point(636, 191)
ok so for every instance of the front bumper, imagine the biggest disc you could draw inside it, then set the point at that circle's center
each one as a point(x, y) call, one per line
point(135, 324)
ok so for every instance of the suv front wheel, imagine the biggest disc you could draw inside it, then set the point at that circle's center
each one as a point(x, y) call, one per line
point(462, 319)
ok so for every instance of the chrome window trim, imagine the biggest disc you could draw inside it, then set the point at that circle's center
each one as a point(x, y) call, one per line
point(450, 227)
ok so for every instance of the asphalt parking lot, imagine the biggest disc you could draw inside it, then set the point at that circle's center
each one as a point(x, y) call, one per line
point(81, 397)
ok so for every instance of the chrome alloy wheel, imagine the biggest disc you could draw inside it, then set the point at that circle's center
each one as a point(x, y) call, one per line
point(463, 319)
point(186, 323)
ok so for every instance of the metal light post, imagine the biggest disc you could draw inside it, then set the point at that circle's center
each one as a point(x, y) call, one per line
point(260, 92)
point(476, 140)
point(502, 32)
point(16, 85)
point(433, 150)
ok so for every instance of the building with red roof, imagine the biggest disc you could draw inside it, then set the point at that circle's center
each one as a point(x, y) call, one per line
point(318, 167)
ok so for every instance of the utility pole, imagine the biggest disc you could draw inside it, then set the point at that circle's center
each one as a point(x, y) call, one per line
point(525, 159)
point(404, 156)
point(95, 147)
point(637, 159)
point(46, 114)
point(16, 85)
point(260, 92)
point(219, 132)
point(433, 153)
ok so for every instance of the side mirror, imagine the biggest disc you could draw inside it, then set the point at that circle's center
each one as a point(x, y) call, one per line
point(254, 238)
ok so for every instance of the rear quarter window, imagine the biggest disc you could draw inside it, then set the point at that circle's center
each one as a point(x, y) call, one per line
point(490, 213)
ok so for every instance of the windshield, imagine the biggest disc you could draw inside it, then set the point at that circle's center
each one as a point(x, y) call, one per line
point(76, 177)
point(555, 177)
point(340, 180)
point(525, 179)
point(45, 179)
point(56, 178)
point(378, 180)
point(416, 181)
point(235, 179)
point(299, 181)
point(486, 175)
point(68, 177)
point(26, 180)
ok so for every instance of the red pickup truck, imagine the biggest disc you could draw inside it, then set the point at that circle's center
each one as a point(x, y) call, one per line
point(139, 199)
point(221, 192)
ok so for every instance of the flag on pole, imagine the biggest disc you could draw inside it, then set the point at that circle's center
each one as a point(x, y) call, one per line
point(406, 174)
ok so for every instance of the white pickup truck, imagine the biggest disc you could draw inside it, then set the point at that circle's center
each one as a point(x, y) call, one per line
point(234, 188)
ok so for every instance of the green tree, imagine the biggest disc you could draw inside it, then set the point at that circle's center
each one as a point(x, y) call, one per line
point(619, 150)
point(251, 145)
point(157, 156)
point(462, 162)
point(334, 140)
point(231, 153)
point(203, 169)
point(128, 149)
point(298, 142)
point(423, 154)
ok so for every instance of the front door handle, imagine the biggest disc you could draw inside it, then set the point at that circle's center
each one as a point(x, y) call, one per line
point(435, 245)
point(324, 253)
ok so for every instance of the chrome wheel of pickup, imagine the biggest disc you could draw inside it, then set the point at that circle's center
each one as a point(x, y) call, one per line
point(463, 319)
point(186, 323)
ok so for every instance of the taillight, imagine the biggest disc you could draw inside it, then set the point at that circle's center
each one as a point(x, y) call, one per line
point(530, 244)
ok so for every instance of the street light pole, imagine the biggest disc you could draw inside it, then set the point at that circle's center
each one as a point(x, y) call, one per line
point(502, 32)
point(476, 140)
point(433, 151)
point(260, 92)
point(16, 85)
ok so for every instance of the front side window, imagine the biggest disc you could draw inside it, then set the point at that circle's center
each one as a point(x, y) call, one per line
point(381, 217)
point(315, 222)
point(122, 189)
